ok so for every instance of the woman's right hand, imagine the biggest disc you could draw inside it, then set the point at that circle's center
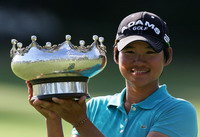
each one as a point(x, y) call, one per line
point(48, 114)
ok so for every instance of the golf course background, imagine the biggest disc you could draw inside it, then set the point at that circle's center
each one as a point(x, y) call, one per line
point(19, 119)
point(51, 21)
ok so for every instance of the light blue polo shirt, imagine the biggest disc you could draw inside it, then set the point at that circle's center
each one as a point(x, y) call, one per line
point(159, 112)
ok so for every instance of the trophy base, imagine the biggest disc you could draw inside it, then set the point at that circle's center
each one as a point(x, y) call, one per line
point(74, 88)
point(75, 96)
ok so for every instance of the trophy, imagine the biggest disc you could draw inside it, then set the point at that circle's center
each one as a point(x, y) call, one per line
point(61, 70)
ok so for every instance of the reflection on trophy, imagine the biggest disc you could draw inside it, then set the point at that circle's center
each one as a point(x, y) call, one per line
point(61, 70)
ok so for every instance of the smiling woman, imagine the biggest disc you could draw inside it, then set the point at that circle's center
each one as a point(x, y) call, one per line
point(141, 65)
point(144, 108)
point(47, 18)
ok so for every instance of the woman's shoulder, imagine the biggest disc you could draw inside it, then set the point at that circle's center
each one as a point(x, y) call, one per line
point(177, 106)
point(101, 100)
point(181, 103)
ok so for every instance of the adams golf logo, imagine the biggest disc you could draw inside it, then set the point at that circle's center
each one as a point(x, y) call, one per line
point(139, 25)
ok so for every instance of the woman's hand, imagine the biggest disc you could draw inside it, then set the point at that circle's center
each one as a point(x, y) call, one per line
point(53, 121)
point(73, 111)
point(70, 110)
point(48, 114)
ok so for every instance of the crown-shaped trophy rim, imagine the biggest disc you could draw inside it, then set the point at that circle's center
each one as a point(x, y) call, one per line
point(63, 52)
point(18, 48)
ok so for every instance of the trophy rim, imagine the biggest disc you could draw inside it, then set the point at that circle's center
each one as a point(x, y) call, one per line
point(59, 79)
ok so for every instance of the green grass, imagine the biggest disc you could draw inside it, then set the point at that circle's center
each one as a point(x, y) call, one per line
point(19, 119)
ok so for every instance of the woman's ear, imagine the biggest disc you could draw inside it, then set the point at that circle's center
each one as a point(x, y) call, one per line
point(116, 54)
point(170, 51)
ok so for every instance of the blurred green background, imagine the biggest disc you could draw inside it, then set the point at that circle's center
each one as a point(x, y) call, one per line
point(51, 21)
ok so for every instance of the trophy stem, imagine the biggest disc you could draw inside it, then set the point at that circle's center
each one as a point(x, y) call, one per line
point(73, 87)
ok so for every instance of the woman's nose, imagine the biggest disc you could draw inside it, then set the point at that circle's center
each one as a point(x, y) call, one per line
point(138, 59)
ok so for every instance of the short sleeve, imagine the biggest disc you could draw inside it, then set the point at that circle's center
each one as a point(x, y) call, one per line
point(179, 121)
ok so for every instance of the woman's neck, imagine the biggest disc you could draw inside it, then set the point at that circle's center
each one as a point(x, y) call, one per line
point(135, 94)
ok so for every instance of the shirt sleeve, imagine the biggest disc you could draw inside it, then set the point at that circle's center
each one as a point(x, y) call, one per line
point(179, 121)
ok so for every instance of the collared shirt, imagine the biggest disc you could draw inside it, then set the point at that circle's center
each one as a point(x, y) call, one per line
point(159, 112)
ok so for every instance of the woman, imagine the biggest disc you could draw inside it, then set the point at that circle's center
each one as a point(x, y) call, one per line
point(144, 108)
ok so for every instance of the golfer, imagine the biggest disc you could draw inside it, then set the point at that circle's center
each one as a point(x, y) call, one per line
point(144, 108)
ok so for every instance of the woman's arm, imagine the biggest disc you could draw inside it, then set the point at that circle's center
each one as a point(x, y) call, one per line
point(53, 121)
point(73, 112)
point(54, 128)
point(87, 129)
point(70, 110)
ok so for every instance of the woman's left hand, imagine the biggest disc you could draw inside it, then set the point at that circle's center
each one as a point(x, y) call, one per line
point(70, 110)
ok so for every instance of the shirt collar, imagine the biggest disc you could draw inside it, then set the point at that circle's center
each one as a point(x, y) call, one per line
point(150, 102)
point(159, 95)
point(117, 99)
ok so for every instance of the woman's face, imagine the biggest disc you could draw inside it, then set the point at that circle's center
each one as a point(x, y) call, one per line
point(140, 65)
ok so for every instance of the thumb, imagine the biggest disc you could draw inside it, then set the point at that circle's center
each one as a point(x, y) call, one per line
point(82, 100)
point(30, 88)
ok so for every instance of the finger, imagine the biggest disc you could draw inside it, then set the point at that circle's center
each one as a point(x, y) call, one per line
point(28, 83)
point(47, 113)
point(37, 102)
point(58, 101)
point(29, 98)
point(30, 88)
point(30, 91)
point(30, 101)
point(41, 109)
point(82, 100)
point(44, 104)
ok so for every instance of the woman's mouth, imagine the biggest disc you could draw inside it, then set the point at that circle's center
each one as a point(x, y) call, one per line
point(139, 72)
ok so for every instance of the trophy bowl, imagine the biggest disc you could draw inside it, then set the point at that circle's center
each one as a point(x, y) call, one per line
point(61, 70)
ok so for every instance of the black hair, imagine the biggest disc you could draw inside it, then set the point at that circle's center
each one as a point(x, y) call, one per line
point(166, 53)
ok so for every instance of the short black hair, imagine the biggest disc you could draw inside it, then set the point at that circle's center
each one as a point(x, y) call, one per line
point(166, 53)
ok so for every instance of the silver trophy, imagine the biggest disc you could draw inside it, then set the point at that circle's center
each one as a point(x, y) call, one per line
point(61, 70)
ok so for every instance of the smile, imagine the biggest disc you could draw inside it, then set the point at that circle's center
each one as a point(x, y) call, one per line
point(137, 72)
